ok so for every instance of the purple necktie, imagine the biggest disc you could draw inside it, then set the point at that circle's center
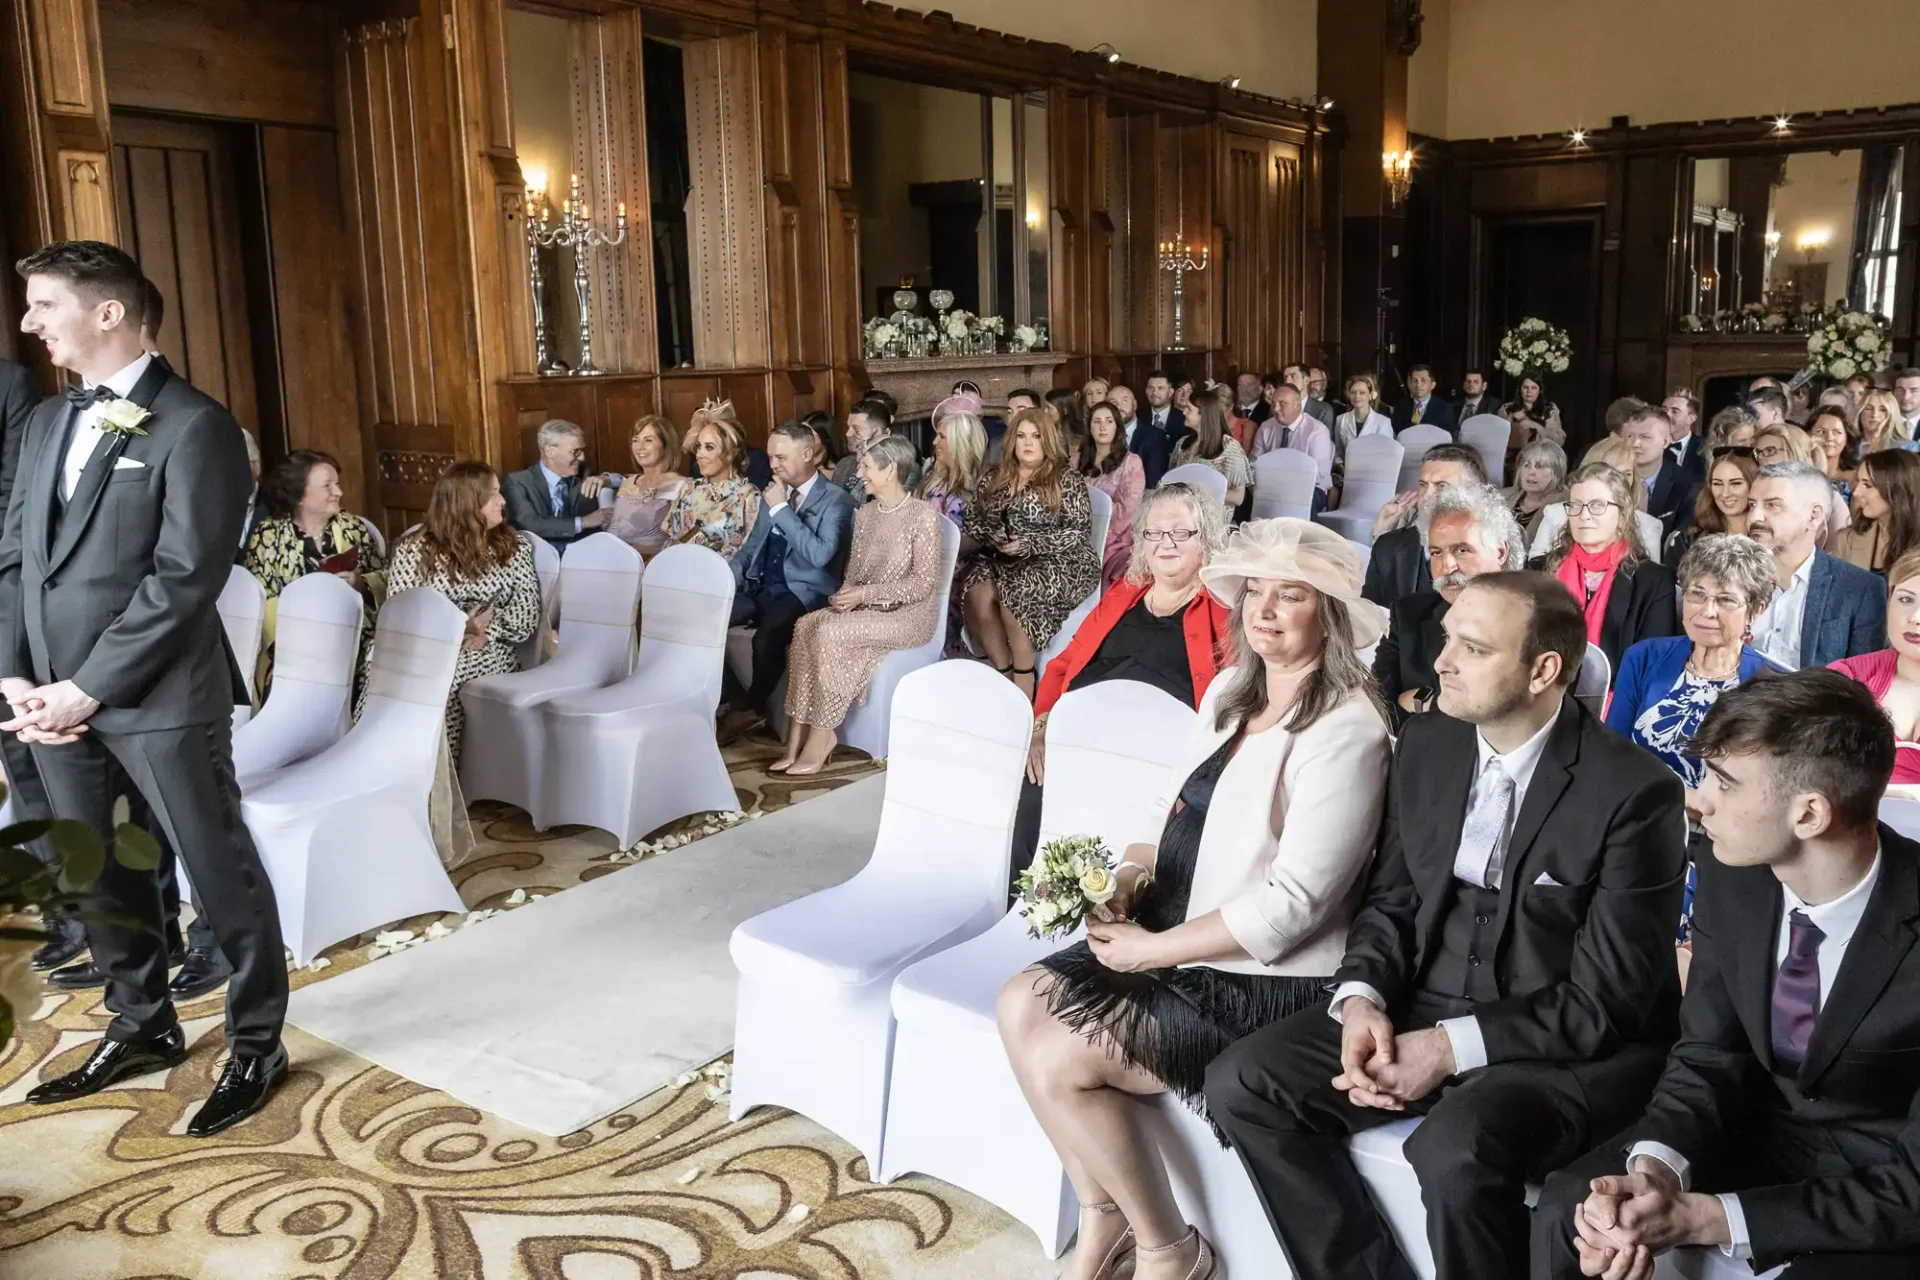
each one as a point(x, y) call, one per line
point(1796, 992)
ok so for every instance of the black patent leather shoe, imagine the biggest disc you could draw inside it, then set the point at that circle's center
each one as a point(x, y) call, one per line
point(200, 973)
point(113, 1061)
point(244, 1088)
point(79, 977)
point(69, 940)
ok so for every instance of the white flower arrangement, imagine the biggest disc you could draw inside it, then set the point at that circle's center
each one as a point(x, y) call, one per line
point(958, 324)
point(1848, 342)
point(1533, 348)
point(1070, 879)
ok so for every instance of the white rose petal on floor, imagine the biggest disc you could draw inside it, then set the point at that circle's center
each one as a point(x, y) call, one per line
point(561, 1012)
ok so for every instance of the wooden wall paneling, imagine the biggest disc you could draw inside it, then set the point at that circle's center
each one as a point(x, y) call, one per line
point(842, 217)
point(1076, 128)
point(1100, 235)
point(682, 392)
point(610, 154)
point(272, 59)
point(796, 199)
point(70, 106)
point(1649, 207)
point(26, 214)
point(726, 216)
point(752, 394)
point(1288, 315)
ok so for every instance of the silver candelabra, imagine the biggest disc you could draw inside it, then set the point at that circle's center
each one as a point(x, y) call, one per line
point(575, 230)
point(1180, 259)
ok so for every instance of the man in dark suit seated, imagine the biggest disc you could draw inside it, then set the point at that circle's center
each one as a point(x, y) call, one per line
point(1786, 1128)
point(1468, 531)
point(1669, 490)
point(1295, 376)
point(1823, 608)
point(1684, 445)
point(1166, 422)
point(789, 565)
point(1422, 408)
point(1399, 564)
point(1249, 399)
point(550, 498)
point(1509, 975)
point(1476, 397)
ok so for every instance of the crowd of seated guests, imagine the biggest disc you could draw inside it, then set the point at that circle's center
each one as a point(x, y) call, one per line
point(1398, 566)
point(1617, 453)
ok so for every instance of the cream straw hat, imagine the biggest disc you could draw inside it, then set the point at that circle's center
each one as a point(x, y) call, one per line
point(1294, 550)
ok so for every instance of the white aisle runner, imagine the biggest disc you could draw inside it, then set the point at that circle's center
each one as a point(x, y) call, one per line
point(560, 1013)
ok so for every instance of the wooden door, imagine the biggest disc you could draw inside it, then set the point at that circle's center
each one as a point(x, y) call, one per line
point(1549, 267)
point(174, 183)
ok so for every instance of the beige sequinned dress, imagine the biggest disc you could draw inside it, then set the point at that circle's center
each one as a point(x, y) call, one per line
point(893, 570)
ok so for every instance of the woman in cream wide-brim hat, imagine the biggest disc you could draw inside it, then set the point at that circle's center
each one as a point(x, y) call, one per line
point(1234, 913)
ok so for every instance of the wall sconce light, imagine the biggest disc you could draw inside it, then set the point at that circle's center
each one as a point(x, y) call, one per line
point(1773, 242)
point(1326, 104)
point(1106, 51)
point(1812, 240)
point(1782, 125)
point(1397, 168)
point(1229, 82)
point(1033, 220)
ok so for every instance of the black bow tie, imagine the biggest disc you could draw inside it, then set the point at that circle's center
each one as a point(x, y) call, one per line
point(83, 398)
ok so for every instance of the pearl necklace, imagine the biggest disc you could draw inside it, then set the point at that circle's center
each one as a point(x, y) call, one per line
point(886, 510)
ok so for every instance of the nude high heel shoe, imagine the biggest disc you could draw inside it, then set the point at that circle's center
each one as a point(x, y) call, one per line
point(1120, 1247)
point(1205, 1263)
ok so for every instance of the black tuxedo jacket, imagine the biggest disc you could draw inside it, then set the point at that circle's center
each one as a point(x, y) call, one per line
point(1858, 1092)
point(1693, 457)
point(1403, 659)
point(1671, 502)
point(1438, 413)
point(119, 593)
point(1398, 567)
point(530, 506)
point(1589, 895)
point(18, 396)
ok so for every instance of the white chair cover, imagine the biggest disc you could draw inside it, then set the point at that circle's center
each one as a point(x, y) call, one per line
point(345, 834)
point(640, 753)
point(1371, 476)
point(1596, 673)
point(1903, 816)
point(1489, 433)
point(954, 1110)
point(1396, 1189)
point(1097, 535)
point(378, 538)
point(1213, 1191)
point(1200, 476)
point(535, 649)
point(316, 646)
point(1283, 484)
point(504, 752)
point(1416, 441)
point(243, 612)
point(814, 1029)
point(867, 722)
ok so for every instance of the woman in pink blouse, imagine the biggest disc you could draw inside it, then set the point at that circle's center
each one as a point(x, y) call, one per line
point(1114, 470)
point(1892, 675)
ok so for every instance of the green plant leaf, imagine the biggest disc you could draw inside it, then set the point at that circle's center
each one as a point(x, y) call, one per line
point(134, 849)
point(18, 867)
point(82, 854)
point(21, 833)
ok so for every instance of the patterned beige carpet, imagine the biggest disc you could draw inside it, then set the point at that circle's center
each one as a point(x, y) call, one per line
point(353, 1173)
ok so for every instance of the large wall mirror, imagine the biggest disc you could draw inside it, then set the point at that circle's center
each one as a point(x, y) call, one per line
point(952, 187)
point(1769, 234)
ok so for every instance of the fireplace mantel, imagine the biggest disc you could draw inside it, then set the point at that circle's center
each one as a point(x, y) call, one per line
point(921, 384)
point(1694, 358)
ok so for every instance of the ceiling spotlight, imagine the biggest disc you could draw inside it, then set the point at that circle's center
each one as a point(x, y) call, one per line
point(1230, 82)
point(1578, 138)
point(1783, 124)
point(1105, 50)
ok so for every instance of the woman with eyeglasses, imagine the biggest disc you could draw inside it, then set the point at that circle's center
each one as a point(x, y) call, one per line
point(1155, 624)
point(1603, 561)
point(1665, 687)
point(1886, 511)
point(1723, 504)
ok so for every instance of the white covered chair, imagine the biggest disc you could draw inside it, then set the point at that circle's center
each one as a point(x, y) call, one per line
point(640, 753)
point(1097, 535)
point(1489, 433)
point(1596, 674)
point(316, 644)
point(1902, 815)
point(1416, 441)
point(1200, 476)
point(504, 757)
point(1372, 475)
point(344, 834)
point(1283, 484)
point(867, 722)
point(243, 612)
point(374, 535)
point(814, 1028)
point(955, 1111)
point(546, 563)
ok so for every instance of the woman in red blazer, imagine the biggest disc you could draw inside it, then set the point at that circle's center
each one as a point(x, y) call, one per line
point(1156, 624)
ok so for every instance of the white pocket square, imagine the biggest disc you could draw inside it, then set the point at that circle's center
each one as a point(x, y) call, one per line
point(1549, 881)
point(128, 464)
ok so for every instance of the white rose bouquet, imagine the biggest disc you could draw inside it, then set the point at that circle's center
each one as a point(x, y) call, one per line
point(1069, 880)
point(1849, 342)
point(1534, 348)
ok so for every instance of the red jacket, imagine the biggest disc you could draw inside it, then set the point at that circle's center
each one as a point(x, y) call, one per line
point(1205, 624)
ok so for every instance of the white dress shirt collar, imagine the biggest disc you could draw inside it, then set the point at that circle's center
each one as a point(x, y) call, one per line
point(1518, 763)
point(1837, 920)
point(551, 476)
point(123, 382)
point(86, 428)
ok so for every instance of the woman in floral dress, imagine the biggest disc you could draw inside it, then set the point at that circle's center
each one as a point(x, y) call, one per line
point(718, 509)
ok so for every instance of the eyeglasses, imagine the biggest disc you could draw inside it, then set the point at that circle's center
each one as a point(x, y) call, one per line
point(1595, 508)
point(1695, 598)
point(1179, 537)
point(1770, 453)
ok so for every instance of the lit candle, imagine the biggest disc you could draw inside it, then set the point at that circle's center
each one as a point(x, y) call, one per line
point(622, 210)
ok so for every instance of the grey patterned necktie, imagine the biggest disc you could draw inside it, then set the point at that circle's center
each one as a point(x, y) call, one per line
point(1487, 811)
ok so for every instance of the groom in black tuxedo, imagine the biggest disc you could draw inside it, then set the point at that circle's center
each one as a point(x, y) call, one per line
point(120, 536)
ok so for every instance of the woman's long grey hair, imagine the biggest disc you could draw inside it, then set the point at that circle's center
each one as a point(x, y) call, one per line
point(1339, 676)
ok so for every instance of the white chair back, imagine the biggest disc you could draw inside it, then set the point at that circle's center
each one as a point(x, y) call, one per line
point(1902, 815)
point(243, 612)
point(374, 535)
point(316, 646)
point(546, 564)
point(1489, 433)
point(1596, 674)
point(1200, 476)
point(416, 645)
point(866, 725)
point(1101, 522)
point(1416, 441)
point(953, 721)
point(685, 598)
point(1109, 749)
point(1373, 462)
point(1283, 484)
point(599, 592)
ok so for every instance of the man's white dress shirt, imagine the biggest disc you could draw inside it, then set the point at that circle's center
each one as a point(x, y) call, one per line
point(87, 432)
point(1777, 631)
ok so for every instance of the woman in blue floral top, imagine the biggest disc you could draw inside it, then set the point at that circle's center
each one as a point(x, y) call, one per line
point(1665, 687)
point(718, 509)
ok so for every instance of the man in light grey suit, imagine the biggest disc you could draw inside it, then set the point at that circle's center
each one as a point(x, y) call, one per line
point(791, 562)
point(130, 497)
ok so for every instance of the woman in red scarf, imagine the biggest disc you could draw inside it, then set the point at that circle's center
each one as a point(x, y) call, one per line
point(1627, 597)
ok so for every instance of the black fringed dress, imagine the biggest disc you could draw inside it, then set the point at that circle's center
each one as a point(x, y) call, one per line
point(1174, 1022)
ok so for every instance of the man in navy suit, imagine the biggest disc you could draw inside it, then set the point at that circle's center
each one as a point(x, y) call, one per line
point(791, 563)
point(1684, 446)
point(1823, 608)
point(1668, 489)
point(1422, 407)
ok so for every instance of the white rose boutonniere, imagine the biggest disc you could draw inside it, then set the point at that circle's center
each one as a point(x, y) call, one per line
point(123, 418)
